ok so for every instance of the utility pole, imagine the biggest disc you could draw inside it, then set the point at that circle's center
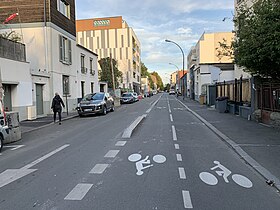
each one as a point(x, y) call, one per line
point(113, 75)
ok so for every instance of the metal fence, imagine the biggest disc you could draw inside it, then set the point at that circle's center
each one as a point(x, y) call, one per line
point(269, 97)
point(12, 50)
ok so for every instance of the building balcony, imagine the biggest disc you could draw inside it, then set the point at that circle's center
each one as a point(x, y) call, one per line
point(83, 70)
point(92, 72)
point(12, 50)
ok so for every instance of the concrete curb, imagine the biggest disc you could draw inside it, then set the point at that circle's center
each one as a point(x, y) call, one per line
point(128, 131)
point(247, 158)
point(43, 126)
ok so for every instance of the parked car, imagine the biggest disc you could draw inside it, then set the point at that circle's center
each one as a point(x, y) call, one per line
point(96, 103)
point(127, 98)
point(135, 96)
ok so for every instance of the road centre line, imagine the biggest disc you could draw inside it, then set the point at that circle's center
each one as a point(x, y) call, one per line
point(78, 192)
point(176, 146)
point(45, 156)
point(171, 118)
point(179, 157)
point(182, 173)
point(187, 199)
point(120, 143)
point(98, 168)
point(112, 153)
point(174, 133)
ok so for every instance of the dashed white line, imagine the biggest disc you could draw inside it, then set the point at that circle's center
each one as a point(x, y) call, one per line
point(171, 118)
point(98, 168)
point(174, 133)
point(179, 157)
point(120, 143)
point(78, 192)
point(112, 153)
point(176, 146)
point(187, 199)
point(182, 173)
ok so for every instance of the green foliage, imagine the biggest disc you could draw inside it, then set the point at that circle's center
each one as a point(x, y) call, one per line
point(167, 87)
point(145, 73)
point(159, 80)
point(106, 72)
point(13, 36)
point(144, 70)
point(257, 46)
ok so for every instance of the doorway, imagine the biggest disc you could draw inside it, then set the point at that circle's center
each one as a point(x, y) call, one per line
point(39, 99)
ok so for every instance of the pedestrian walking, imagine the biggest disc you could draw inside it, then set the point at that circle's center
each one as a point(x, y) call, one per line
point(57, 104)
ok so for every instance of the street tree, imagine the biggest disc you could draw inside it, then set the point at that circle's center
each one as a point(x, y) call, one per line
point(257, 43)
point(106, 72)
point(159, 80)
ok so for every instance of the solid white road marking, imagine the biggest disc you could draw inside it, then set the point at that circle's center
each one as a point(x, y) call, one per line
point(120, 143)
point(169, 109)
point(11, 175)
point(187, 199)
point(179, 157)
point(15, 146)
point(171, 118)
point(98, 168)
point(174, 133)
point(112, 153)
point(78, 192)
point(182, 173)
point(176, 146)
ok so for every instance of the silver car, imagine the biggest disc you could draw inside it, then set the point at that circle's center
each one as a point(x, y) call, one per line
point(96, 103)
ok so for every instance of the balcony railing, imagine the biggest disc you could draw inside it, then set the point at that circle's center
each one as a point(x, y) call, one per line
point(92, 72)
point(12, 50)
point(83, 70)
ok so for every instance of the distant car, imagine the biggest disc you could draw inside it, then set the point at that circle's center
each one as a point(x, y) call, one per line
point(96, 103)
point(127, 98)
point(135, 96)
point(171, 92)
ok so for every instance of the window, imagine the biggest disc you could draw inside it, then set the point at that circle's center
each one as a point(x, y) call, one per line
point(92, 72)
point(83, 88)
point(83, 68)
point(92, 87)
point(64, 8)
point(66, 86)
point(65, 52)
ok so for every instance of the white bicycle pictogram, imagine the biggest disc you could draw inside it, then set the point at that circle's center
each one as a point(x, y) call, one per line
point(210, 179)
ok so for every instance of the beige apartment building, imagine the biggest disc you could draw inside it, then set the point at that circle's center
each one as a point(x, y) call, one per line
point(112, 36)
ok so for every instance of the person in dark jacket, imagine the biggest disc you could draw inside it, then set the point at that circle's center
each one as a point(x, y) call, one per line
point(57, 104)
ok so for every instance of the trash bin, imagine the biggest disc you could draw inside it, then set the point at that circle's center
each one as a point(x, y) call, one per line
point(221, 104)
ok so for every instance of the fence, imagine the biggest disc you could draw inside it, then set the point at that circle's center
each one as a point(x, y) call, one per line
point(269, 97)
point(12, 50)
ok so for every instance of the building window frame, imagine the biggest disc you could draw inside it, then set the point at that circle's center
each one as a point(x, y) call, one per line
point(65, 50)
point(66, 84)
point(64, 8)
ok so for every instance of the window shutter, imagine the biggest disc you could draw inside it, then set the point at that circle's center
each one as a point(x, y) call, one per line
point(60, 48)
point(69, 52)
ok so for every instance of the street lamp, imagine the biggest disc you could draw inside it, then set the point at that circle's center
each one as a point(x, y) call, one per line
point(181, 51)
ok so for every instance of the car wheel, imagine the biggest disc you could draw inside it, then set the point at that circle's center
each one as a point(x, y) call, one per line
point(1, 142)
point(113, 108)
point(104, 111)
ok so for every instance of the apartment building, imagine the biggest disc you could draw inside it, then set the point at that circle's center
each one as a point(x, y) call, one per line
point(48, 30)
point(205, 65)
point(111, 36)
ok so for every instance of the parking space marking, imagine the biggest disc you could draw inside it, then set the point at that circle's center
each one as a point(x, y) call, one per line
point(171, 118)
point(174, 133)
point(120, 143)
point(179, 157)
point(78, 192)
point(187, 199)
point(182, 173)
point(176, 146)
point(98, 168)
point(112, 153)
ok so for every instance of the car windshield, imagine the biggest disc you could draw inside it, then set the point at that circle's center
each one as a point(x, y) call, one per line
point(126, 95)
point(95, 96)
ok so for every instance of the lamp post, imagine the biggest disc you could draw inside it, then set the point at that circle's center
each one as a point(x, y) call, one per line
point(181, 51)
point(177, 76)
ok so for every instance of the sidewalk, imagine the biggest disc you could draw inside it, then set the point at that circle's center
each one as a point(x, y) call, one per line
point(257, 144)
point(30, 125)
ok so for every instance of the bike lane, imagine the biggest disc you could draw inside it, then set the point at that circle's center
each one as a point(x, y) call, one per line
point(216, 177)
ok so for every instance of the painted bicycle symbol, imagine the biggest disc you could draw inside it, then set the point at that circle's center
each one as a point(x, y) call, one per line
point(224, 172)
point(145, 163)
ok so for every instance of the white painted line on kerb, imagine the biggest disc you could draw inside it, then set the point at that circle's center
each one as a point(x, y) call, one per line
point(78, 192)
point(174, 133)
point(45, 157)
point(112, 154)
point(176, 146)
point(120, 143)
point(150, 109)
point(187, 199)
point(179, 157)
point(98, 168)
point(182, 173)
point(171, 118)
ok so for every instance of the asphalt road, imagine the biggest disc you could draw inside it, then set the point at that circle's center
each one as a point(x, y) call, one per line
point(168, 163)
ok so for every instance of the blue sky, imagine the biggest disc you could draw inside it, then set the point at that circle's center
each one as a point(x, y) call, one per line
point(182, 21)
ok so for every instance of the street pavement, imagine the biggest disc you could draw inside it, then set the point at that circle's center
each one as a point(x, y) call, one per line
point(171, 161)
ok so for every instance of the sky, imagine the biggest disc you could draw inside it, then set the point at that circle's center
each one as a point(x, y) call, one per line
point(154, 21)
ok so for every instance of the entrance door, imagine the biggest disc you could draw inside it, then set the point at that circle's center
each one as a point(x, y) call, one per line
point(7, 98)
point(39, 99)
